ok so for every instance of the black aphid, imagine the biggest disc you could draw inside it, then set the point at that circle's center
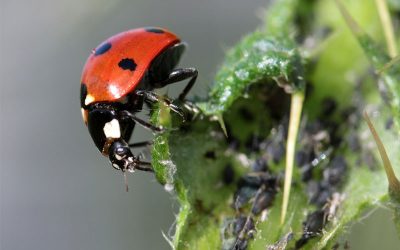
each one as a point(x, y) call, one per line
point(228, 174)
point(311, 227)
point(259, 165)
point(263, 201)
point(210, 154)
point(336, 171)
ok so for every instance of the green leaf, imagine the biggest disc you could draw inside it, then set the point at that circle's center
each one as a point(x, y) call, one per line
point(202, 162)
point(257, 58)
point(261, 56)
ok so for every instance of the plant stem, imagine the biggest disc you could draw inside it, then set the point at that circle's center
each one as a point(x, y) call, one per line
point(387, 26)
point(394, 183)
point(296, 107)
point(395, 60)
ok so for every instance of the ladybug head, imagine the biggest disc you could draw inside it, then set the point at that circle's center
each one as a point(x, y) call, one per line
point(121, 156)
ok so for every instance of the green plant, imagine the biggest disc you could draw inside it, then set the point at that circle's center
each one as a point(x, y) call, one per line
point(300, 53)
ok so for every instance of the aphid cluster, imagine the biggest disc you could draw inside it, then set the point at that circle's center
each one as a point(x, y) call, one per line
point(323, 169)
point(320, 163)
point(324, 175)
point(256, 190)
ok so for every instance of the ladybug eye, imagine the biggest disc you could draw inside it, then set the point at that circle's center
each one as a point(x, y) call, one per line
point(122, 151)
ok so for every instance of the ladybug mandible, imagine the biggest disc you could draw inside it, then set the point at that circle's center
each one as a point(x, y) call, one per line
point(118, 78)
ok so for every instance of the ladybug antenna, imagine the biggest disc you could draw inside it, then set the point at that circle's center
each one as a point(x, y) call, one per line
point(125, 181)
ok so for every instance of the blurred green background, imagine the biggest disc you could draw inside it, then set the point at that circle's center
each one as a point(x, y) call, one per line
point(57, 191)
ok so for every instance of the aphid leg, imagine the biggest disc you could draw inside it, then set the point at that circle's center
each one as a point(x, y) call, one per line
point(178, 75)
point(127, 115)
point(154, 98)
point(331, 207)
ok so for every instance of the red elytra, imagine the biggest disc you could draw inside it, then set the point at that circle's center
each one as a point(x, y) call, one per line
point(104, 74)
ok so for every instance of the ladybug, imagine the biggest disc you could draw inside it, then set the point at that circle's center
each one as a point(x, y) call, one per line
point(119, 78)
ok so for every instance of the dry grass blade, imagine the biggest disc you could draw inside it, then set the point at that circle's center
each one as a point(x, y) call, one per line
point(394, 183)
point(296, 107)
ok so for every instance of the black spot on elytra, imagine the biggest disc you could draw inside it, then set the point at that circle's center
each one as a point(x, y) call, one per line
point(154, 30)
point(103, 48)
point(83, 94)
point(127, 64)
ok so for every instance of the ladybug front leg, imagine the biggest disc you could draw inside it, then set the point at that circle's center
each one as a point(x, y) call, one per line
point(154, 98)
point(144, 166)
point(178, 75)
point(128, 115)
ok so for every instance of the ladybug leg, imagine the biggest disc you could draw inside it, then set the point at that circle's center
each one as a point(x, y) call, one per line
point(154, 98)
point(127, 115)
point(140, 144)
point(178, 75)
point(144, 166)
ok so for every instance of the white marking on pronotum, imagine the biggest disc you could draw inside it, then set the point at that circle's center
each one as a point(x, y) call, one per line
point(112, 130)
point(89, 99)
